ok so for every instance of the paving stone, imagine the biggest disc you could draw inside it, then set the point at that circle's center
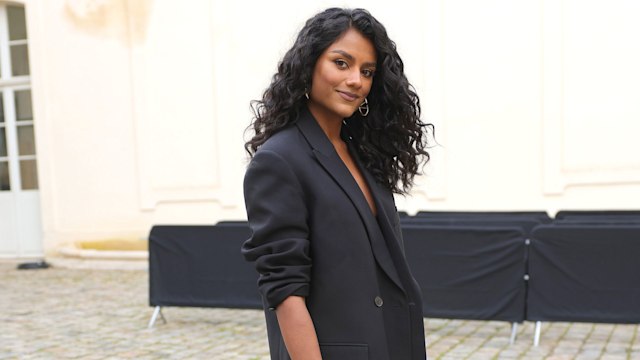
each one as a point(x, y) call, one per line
point(589, 354)
point(614, 357)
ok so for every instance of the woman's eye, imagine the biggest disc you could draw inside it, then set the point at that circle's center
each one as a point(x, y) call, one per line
point(367, 73)
point(341, 64)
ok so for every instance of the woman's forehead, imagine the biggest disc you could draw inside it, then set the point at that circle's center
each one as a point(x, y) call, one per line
point(354, 44)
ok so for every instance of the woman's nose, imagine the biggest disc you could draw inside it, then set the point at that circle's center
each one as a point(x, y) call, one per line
point(354, 79)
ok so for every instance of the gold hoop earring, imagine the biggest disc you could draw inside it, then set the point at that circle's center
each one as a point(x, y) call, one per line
point(364, 108)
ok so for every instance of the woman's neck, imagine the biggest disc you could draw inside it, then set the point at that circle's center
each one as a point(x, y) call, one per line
point(330, 125)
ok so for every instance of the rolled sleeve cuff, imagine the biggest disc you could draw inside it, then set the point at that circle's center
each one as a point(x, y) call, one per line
point(275, 297)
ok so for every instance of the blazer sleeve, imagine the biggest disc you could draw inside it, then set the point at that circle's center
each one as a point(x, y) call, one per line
point(277, 215)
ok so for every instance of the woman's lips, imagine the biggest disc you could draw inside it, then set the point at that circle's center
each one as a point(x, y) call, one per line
point(348, 96)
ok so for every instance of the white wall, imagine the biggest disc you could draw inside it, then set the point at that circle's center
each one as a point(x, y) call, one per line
point(141, 104)
point(84, 122)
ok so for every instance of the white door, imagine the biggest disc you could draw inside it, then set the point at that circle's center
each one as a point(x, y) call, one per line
point(20, 224)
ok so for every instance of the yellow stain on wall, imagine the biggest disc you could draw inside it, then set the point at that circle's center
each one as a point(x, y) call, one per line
point(114, 245)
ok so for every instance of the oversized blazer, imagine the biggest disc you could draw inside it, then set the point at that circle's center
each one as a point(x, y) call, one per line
point(314, 235)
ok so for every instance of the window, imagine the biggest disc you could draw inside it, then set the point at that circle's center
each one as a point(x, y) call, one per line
point(18, 170)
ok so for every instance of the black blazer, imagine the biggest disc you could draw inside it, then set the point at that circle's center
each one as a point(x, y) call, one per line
point(314, 235)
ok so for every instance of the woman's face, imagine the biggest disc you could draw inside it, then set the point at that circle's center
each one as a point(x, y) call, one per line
point(342, 77)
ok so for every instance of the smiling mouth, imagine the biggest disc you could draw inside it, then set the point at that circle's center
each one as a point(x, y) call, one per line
point(348, 96)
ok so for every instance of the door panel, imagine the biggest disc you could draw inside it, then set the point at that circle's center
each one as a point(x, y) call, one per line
point(20, 219)
point(28, 223)
point(8, 226)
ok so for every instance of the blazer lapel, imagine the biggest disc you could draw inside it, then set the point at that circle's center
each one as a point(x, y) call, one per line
point(331, 162)
point(384, 204)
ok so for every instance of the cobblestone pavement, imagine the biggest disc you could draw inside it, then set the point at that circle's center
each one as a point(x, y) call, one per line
point(103, 314)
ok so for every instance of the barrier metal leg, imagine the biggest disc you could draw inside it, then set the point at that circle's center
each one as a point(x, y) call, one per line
point(157, 311)
point(514, 332)
point(536, 337)
point(164, 321)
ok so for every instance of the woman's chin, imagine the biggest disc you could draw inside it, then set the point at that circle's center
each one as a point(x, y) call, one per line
point(347, 112)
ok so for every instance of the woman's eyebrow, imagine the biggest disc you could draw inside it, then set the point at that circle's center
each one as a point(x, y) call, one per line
point(350, 57)
point(343, 53)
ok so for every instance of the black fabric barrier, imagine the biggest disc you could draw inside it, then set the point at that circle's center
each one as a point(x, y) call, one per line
point(526, 224)
point(599, 220)
point(584, 269)
point(562, 214)
point(585, 273)
point(541, 216)
point(468, 272)
point(201, 266)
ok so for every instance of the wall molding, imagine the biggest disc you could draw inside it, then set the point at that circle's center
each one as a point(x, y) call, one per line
point(150, 195)
point(557, 176)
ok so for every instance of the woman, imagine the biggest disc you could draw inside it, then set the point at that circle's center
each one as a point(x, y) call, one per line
point(336, 132)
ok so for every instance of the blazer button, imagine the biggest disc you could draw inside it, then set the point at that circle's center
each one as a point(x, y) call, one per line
point(378, 301)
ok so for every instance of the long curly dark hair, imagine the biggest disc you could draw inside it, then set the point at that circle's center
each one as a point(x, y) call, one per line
point(391, 140)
